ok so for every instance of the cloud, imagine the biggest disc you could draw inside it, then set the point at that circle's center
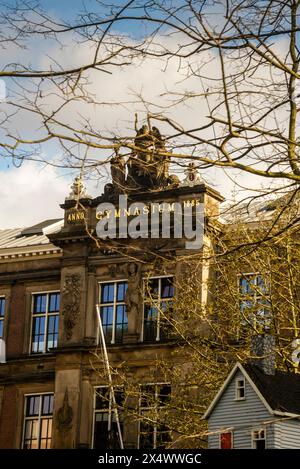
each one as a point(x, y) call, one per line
point(30, 194)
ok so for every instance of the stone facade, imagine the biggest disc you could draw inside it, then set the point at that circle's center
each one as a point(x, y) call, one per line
point(76, 265)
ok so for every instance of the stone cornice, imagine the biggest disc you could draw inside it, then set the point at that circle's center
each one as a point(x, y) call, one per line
point(29, 252)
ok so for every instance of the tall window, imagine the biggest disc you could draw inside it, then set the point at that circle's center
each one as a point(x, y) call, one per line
point(45, 317)
point(254, 301)
point(158, 295)
point(106, 434)
point(153, 433)
point(37, 430)
point(2, 313)
point(113, 311)
point(259, 439)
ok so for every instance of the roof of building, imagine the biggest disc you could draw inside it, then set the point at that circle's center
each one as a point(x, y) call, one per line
point(21, 240)
point(281, 390)
point(280, 393)
point(262, 208)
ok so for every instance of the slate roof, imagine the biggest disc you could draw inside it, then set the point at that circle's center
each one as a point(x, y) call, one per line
point(281, 390)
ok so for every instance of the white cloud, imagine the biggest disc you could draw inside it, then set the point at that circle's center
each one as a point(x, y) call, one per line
point(30, 194)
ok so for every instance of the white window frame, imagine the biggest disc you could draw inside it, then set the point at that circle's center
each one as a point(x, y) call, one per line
point(114, 304)
point(237, 388)
point(2, 318)
point(144, 409)
point(46, 314)
point(232, 441)
point(160, 300)
point(109, 410)
point(35, 417)
point(258, 439)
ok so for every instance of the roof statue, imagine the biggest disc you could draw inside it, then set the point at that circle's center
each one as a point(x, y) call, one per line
point(147, 168)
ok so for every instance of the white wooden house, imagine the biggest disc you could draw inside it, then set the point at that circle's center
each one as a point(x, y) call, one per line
point(255, 409)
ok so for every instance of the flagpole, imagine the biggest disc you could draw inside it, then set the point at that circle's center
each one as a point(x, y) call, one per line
point(106, 362)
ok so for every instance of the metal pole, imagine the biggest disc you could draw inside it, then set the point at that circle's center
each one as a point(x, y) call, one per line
point(106, 362)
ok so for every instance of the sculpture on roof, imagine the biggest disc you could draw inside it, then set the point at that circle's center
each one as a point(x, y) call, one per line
point(147, 168)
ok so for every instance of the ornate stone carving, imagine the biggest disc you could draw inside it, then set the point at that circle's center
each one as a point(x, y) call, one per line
point(71, 296)
point(133, 298)
point(192, 176)
point(65, 414)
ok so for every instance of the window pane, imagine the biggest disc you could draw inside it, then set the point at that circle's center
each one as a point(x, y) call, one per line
point(102, 398)
point(260, 444)
point(1, 328)
point(54, 302)
point(107, 292)
point(121, 290)
point(152, 287)
point(167, 288)
point(105, 438)
point(33, 405)
point(38, 335)
point(2, 307)
point(148, 393)
point(47, 407)
point(39, 304)
point(164, 394)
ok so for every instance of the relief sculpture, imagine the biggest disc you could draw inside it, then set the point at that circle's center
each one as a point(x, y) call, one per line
point(71, 303)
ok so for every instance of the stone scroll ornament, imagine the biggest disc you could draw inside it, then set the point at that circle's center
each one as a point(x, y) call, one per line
point(71, 303)
point(65, 414)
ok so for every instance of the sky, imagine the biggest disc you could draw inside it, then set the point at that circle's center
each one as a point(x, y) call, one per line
point(32, 192)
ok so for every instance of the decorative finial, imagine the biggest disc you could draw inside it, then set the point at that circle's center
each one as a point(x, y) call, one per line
point(78, 190)
point(192, 176)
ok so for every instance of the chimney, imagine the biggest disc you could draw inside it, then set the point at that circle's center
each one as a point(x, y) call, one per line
point(263, 353)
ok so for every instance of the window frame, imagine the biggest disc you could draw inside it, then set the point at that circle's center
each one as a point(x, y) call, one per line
point(253, 440)
point(46, 315)
point(114, 304)
point(238, 388)
point(220, 439)
point(109, 410)
point(144, 409)
point(39, 416)
point(160, 300)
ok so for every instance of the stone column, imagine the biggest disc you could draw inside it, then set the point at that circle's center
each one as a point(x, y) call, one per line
point(86, 412)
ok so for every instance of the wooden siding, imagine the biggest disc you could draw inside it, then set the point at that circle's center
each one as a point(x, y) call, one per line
point(287, 434)
point(243, 415)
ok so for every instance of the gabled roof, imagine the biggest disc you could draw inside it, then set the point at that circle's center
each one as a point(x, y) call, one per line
point(281, 390)
point(280, 393)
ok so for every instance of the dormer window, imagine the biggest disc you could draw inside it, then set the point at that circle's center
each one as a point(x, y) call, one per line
point(239, 389)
